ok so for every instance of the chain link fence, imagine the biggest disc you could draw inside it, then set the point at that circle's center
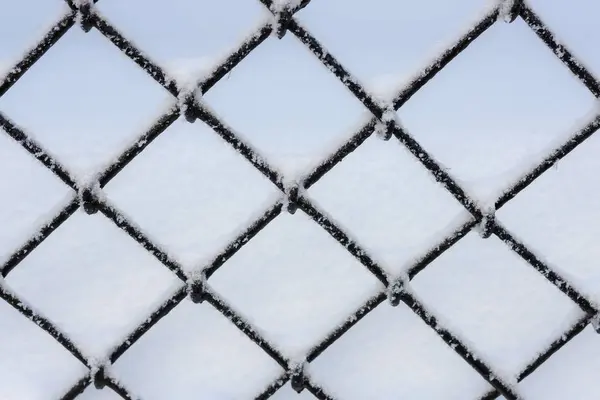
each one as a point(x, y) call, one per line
point(294, 196)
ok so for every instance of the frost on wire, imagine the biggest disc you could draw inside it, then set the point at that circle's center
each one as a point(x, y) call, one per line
point(295, 197)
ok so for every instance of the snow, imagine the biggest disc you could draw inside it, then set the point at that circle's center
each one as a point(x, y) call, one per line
point(596, 323)
point(308, 292)
point(80, 16)
point(91, 88)
point(211, 179)
point(25, 351)
point(469, 275)
point(280, 4)
point(188, 71)
point(303, 109)
point(185, 30)
point(379, 182)
point(568, 249)
point(486, 224)
point(487, 118)
point(505, 9)
point(517, 132)
point(33, 199)
point(371, 361)
point(201, 355)
point(581, 355)
point(74, 294)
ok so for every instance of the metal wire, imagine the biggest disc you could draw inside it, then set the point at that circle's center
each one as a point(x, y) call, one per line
point(397, 289)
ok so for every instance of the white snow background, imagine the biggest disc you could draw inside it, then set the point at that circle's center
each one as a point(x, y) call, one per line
point(488, 117)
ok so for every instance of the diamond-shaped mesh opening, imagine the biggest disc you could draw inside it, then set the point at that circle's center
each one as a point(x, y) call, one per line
point(391, 353)
point(295, 282)
point(570, 373)
point(497, 301)
point(30, 355)
point(380, 37)
point(499, 116)
point(287, 104)
point(84, 75)
point(91, 280)
point(558, 216)
point(197, 201)
point(29, 202)
point(194, 352)
point(389, 202)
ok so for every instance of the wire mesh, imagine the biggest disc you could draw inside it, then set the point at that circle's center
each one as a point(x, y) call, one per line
point(294, 197)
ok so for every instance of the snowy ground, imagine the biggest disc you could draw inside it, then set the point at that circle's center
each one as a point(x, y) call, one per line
point(488, 117)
